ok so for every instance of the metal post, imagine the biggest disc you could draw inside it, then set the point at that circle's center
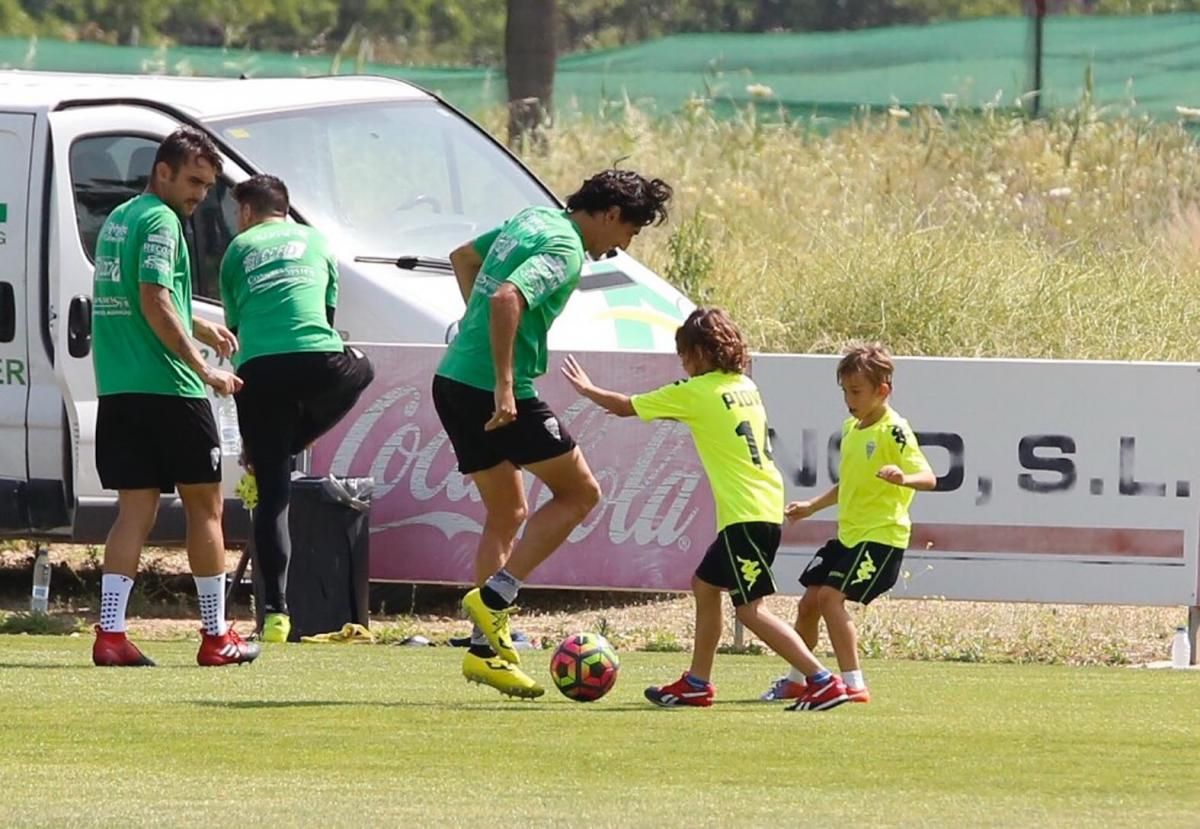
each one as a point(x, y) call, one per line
point(739, 635)
point(1039, 25)
point(1193, 630)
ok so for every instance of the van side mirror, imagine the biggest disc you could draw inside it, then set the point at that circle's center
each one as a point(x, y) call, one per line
point(8, 313)
point(79, 326)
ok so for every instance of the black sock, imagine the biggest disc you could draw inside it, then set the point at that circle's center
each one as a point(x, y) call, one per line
point(493, 599)
point(482, 651)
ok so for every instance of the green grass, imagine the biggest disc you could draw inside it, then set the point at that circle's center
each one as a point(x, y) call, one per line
point(375, 735)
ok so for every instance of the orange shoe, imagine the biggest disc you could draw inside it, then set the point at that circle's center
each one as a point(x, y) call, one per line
point(114, 650)
point(228, 649)
point(781, 689)
point(821, 697)
point(858, 694)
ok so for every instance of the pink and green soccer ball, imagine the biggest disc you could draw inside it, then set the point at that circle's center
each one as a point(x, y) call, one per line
point(584, 667)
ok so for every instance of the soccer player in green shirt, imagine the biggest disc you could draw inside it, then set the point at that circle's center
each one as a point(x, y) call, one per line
point(154, 425)
point(279, 286)
point(881, 467)
point(515, 281)
point(724, 411)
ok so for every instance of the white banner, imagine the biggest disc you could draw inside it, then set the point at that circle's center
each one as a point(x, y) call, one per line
point(1058, 481)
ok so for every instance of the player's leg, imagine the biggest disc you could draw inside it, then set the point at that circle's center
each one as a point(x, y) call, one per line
point(136, 511)
point(127, 463)
point(807, 625)
point(694, 688)
point(868, 574)
point(574, 493)
point(268, 417)
point(336, 384)
point(191, 459)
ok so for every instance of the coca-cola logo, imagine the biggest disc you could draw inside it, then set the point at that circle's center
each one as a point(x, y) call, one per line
point(648, 473)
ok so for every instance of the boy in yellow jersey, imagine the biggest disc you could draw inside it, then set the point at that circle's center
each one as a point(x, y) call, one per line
point(881, 467)
point(724, 411)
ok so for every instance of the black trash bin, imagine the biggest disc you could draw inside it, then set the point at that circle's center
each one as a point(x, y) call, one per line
point(328, 581)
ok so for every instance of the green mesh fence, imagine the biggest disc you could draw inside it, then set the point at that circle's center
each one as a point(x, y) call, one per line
point(1148, 64)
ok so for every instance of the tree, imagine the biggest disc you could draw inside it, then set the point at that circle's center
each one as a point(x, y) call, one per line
point(529, 54)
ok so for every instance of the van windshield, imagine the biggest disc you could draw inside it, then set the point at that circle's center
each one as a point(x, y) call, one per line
point(387, 178)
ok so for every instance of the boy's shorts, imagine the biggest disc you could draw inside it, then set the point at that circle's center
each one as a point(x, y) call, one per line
point(862, 572)
point(740, 560)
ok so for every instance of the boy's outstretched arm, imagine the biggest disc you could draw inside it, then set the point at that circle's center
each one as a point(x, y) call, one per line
point(614, 401)
point(798, 510)
point(924, 480)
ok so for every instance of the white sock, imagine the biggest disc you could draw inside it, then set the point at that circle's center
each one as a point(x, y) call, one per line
point(114, 598)
point(211, 590)
point(797, 675)
point(853, 680)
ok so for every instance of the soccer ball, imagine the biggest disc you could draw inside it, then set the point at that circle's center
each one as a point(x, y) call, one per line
point(584, 667)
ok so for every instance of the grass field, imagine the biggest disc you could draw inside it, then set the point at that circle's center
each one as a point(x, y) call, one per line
point(372, 736)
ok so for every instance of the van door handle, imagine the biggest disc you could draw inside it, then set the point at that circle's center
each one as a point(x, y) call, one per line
point(79, 326)
point(8, 313)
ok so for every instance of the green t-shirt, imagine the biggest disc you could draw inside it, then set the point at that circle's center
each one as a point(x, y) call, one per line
point(870, 508)
point(276, 280)
point(725, 414)
point(540, 251)
point(140, 242)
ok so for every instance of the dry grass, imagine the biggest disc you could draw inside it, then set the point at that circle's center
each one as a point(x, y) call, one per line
point(942, 234)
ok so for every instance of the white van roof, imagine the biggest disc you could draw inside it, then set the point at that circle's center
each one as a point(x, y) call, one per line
point(203, 98)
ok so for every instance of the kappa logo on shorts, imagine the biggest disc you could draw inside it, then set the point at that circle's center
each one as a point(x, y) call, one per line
point(751, 570)
point(866, 569)
point(215, 455)
point(551, 424)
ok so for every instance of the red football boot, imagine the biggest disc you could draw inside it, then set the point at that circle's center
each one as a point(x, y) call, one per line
point(228, 649)
point(680, 693)
point(821, 697)
point(114, 650)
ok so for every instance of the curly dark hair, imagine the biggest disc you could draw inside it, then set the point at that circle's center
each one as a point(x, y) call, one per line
point(871, 360)
point(714, 334)
point(183, 145)
point(642, 201)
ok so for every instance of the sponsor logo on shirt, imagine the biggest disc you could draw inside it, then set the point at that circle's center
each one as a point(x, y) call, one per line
point(255, 259)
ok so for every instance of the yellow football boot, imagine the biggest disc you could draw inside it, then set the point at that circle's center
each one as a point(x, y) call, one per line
point(494, 624)
point(505, 677)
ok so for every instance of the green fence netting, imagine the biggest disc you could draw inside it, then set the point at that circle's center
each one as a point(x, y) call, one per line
point(1146, 64)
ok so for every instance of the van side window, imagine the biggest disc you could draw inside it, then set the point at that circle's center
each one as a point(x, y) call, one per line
point(209, 232)
point(107, 170)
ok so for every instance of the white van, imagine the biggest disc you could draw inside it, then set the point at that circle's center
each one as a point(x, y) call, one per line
point(393, 176)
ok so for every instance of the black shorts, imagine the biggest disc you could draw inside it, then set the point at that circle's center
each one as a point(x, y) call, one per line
point(740, 560)
point(862, 572)
point(536, 435)
point(155, 441)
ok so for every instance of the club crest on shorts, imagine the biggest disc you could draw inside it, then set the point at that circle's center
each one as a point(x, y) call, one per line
point(870, 448)
point(215, 455)
point(551, 424)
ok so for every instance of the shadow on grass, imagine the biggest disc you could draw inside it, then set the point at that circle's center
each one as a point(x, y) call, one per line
point(509, 705)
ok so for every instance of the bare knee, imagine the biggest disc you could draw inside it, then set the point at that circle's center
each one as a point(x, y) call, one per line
point(506, 521)
point(749, 613)
point(584, 497)
point(138, 514)
point(810, 605)
point(202, 503)
point(831, 601)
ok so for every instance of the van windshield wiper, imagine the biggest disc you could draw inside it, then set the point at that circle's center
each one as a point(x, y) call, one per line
point(409, 263)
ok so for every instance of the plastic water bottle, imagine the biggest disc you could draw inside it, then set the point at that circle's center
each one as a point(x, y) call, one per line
point(40, 599)
point(225, 412)
point(1181, 651)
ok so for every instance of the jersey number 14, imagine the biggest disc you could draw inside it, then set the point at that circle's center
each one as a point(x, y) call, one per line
point(743, 430)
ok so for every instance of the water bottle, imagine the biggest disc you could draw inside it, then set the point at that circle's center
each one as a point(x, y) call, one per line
point(1181, 651)
point(40, 600)
point(225, 412)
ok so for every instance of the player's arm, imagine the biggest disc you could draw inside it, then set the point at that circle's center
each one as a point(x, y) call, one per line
point(911, 468)
point(467, 259)
point(797, 510)
point(507, 306)
point(160, 315)
point(615, 402)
